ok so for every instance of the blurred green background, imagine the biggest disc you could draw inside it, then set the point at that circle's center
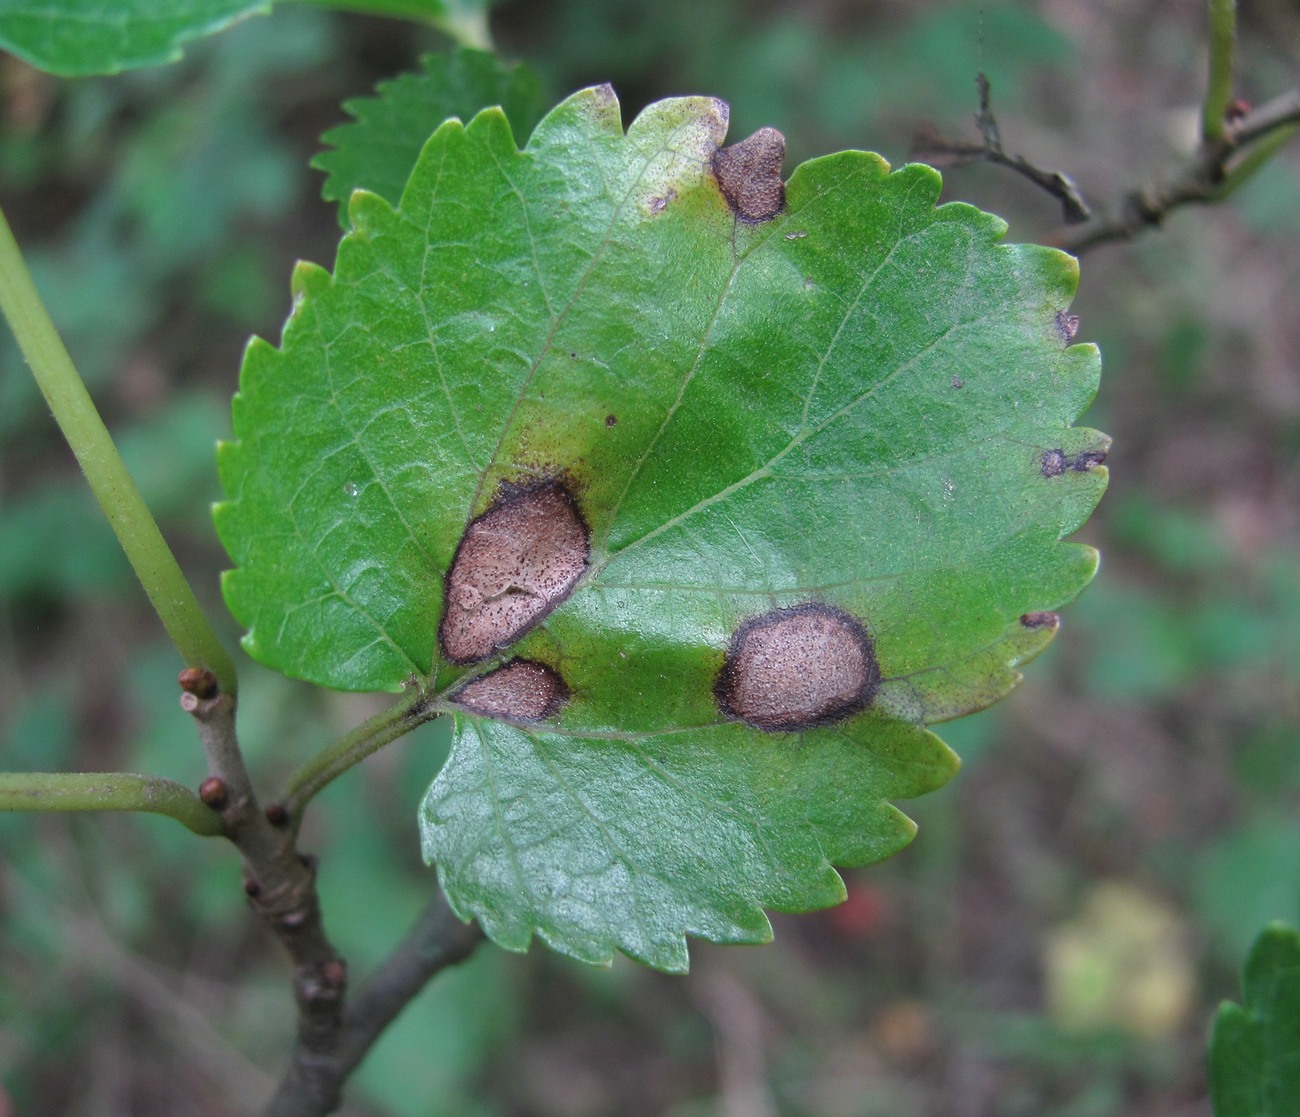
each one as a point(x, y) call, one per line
point(1075, 903)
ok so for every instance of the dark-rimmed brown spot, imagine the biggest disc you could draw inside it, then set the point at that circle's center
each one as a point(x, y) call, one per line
point(749, 174)
point(1044, 618)
point(797, 668)
point(521, 690)
point(515, 563)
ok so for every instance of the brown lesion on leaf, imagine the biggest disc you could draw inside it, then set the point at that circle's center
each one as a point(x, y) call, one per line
point(515, 563)
point(521, 690)
point(659, 202)
point(1044, 618)
point(1055, 462)
point(798, 668)
point(749, 175)
point(1067, 325)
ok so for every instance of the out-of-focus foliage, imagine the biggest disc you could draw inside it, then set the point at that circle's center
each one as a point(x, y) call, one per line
point(79, 38)
point(1255, 1049)
point(826, 82)
point(170, 164)
point(378, 148)
point(1123, 963)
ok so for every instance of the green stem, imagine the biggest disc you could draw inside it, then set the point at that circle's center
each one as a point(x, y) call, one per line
point(1254, 161)
point(469, 28)
point(107, 791)
point(74, 411)
point(1218, 90)
point(369, 737)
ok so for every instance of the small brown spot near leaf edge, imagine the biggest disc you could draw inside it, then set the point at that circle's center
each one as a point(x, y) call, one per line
point(657, 204)
point(1043, 618)
point(1086, 460)
point(1055, 462)
point(749, 175)
point(1067, 325)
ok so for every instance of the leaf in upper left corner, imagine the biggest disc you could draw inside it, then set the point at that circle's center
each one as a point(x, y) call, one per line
point(378, 148)
point(76, 38)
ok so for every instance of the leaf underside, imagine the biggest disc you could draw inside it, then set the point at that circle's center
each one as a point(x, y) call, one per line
point(1255, 1048)
point(862, 403)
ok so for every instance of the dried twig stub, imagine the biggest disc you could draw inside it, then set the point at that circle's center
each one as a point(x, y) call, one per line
point(798, 668)
point(521, 690)
point(515, 563)
point(749, 174)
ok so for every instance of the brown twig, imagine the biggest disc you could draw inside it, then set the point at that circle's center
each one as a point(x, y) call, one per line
point(280, 882)
point(1204, 176)
point(313, 1084)
point(1200, 178)
point(935, 148)
point(333, 1034)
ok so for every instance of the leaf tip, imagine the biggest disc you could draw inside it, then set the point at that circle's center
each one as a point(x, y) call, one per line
point(1089, 559)
point(260, 358)
point(366, 210)
point(307, 280)
point(596, 107)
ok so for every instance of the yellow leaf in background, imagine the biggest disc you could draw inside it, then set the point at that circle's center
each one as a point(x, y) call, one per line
point(1122, 963)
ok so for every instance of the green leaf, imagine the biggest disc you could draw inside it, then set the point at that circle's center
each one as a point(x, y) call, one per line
point(824, 459)
point(465, 21)
point(377, 152)
point(73, 38)
point(1255, 1049)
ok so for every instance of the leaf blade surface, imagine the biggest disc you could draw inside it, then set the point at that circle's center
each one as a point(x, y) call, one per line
point(861, 406)
point(1254, 1058)
point(75, 38)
